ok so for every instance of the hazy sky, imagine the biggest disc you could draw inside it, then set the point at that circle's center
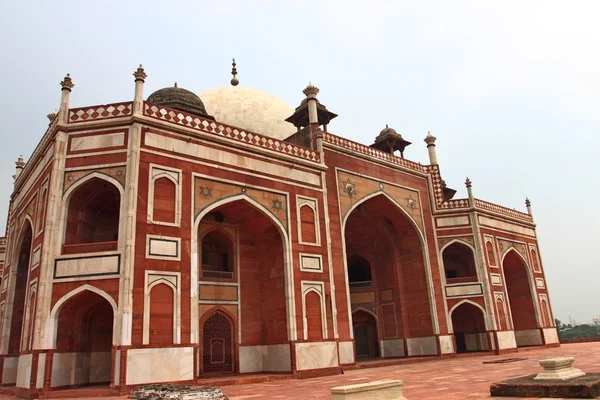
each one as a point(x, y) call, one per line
point(510, 88)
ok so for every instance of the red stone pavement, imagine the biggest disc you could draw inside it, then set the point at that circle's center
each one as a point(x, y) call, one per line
point(459, 378)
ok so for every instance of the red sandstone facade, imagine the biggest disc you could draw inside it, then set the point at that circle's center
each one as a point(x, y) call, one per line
point(146, 244)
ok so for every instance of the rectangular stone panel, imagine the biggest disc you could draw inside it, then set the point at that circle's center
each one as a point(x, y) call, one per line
point(35, 261)
point(87, 266)
point(362, 297)
point(507, 226)
point(236, 160)
point(539, 283)
point(316, 355)
point(472, 289)
point(218, 292)
point(387, 295)
point(102, 141)
point(452, 221)
point(310, 263)
point(163, 247)
point(160, 365)
point(496, 279)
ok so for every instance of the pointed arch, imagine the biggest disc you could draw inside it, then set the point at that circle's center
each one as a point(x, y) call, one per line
point(287, 260)
point(20, 261)
point(424, 254)
point(390, 198)
point(468, 324)
point(466, 301)
point(473, 255)
point(66, 200)
point(530, 282)
point(80, 182)
point(53, 317)
point(371, 313)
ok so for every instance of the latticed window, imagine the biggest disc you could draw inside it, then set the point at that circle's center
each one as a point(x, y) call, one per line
point(217, 345)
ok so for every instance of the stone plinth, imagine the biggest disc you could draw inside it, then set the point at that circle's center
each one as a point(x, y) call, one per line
point(584, 387)
point(558, 368)
point(177, 392)
point(378, 390)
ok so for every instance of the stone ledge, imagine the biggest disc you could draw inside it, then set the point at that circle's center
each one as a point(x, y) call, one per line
point(584, 387)
point(387, 389)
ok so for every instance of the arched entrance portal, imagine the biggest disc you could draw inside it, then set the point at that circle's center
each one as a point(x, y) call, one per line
point(386, 274)
point(21, 261)
point(365, 334)
point(84, 341)
point(241, 262)
point(469, 328)
point(217, 345)
point(520, 300)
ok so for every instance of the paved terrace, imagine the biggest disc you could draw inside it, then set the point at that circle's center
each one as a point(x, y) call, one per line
point(460, 378)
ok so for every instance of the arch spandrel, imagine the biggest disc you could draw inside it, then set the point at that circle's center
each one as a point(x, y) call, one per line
point(468, 239)
point(353, 188)
point(521, 248)
point(207, 191)
point(72, 177)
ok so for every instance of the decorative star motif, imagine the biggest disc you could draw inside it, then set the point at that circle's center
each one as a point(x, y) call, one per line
point(119, 173)
point(411, 203)
point(243, 190)
point(70, 178)
point(349, 188)
point(205, 191)
point(380, 186)
point(277, 204)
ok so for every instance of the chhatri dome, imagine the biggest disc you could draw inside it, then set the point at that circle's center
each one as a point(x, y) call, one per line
point(249, 109)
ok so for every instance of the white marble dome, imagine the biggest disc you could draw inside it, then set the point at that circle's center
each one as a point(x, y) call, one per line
point(249, 109)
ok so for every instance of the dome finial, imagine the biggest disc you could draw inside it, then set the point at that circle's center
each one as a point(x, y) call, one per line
point(234, 81)
point(175, 85)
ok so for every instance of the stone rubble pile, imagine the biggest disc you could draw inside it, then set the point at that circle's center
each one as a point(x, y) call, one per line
point(177, 392)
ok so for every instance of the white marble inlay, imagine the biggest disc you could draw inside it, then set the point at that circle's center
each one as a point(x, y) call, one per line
point(35, 258)
point(70, 369)
point(24, 370)
point(446, 344)
point(424, 346)
point(236, 160)
point(464, 290)
point(507, 226)
point(160, 365)
point(392, 348)
point(539, 283)
point(74, 267)
point(9, 372)
point(346, 352)
point(529, 337)
point(550, 335)
point(163, 246)
point(452, 221)
point(265, 358)
point(39, 381)
point(97, 141)
point(506, 340)
point(310, 263)
point(496, 279)
point(316, 355)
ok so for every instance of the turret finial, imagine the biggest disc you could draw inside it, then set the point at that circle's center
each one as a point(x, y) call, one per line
point(139, 74)
point(234, 81)
point(67, 83)
point(311, 90)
